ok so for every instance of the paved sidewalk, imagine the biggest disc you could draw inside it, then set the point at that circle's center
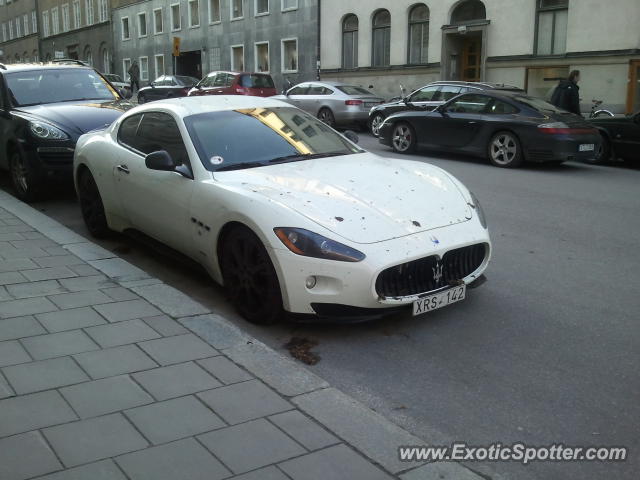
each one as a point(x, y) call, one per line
point(109, 374)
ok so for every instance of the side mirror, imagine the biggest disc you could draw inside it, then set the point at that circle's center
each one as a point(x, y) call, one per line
point(160, 160)
point(351, 135)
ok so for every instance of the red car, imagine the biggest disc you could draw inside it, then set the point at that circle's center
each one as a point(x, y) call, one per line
point(235, 83)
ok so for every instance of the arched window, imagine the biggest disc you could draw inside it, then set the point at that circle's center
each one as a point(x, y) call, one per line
point(35, 56)
point(105, 58)
point(468, 11)
point(350, 41)
point(88, 57)
point(381, 51)
point(418, 33)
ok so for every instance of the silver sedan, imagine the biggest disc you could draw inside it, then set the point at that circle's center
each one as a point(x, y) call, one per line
point(336, 104)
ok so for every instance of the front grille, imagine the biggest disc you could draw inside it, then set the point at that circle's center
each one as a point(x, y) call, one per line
point(430, 273)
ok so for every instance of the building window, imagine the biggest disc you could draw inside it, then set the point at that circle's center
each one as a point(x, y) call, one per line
point(126, 35)
point(55, 21)
point(215, 60)
point(381, 45)
point(103, 10)
point(76, 14)
point(10, 30)
point(350, 41)
point(4, 32)
point(237, 58)
point(88, 57)
point(65, 17)
point(289, 5)
point(144, 68)
point(18, 29)
point(88, 8)
point(551, 28)
point(105, 60)
point(45, 23)
point(468, 12)
point(175, 17)
point(262, 7)
point(262, 57)
point(158, 24)
point(214, 11)
point(290, 55)
point(194, 13)
point(25, 22)
point(126, 65)
point(34, 22)
point(418, 34)
point(142, 24)
point(237, 9)
point(159, 65)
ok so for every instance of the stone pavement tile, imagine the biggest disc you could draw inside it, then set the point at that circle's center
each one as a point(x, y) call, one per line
point(9, 278)
point(34, 411)
point(16, 264)
point(102, 470)
point(93, 282)
point(4, 295)
point(14, 228)
point(216, 331)
point(5, 389)
point(8, 237)
point(138, 283)
point(108, 395)
point(43, 375)
point(225, 370)
point(13, 221)
point(268, 473)
point(84, 270)
point(120, 294)
point(94, 439)
point(32, 235)
point(70, 319)
point(441, 471)
point(79, 299)
point(58, 261)
point(19, 327)
point(173, 419)
point(89, 251)
point(337, 463)
point(165, 326)
point(56, 250)
point(22, 253)
point(48, 273)
point(35, 289)
point(119, 311)
point(121, 333)
point(181, 460)
point(12, 353)
point(244, 401)
point(39, 243)
point(177, 349)
point(114, 361)
point(118, 269)
point(58, 344)
point(176, 380)
point(251, 445)
point(304, 430)
point(25, 306)
point(170, 300)
point(16, 465)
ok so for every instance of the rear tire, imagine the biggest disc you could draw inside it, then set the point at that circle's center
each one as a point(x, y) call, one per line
point(325, 115)
point(91, 206)
point(27, 183)
point(376, 121)
point(504, 150)
point(403, 138)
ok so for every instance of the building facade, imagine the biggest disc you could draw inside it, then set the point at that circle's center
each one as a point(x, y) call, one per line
point(275, 36)
point(19, 35)
point(78, 29)
point(527, 43)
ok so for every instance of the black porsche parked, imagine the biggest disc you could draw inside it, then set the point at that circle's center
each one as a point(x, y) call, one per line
point(620, 137)
point(507, 128)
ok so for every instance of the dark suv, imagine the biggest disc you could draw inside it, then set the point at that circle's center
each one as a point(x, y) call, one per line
point(428, 98)
point(43, 111)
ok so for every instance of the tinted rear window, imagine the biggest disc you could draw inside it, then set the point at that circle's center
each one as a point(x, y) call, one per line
point(536, 104)
point(256, 81)
point(352, 90)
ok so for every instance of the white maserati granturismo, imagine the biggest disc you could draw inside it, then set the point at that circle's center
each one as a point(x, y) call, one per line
point(286, 213)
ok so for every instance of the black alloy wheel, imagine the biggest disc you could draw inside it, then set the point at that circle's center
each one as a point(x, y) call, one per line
point(376, 122)
point(26, 182)
point(326, 116)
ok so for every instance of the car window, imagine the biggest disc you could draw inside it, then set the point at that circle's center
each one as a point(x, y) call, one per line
point(498, 107)
point(469, 103)
point(208, 81)
point(318, 90)
point(353, 90)
point(128, 130)
point(299, 90)
point(536, 103)
point(186, 81)
point(159, 131)
point(230, 78)
point(424, 94)
point(256, 81)
point(446, 93)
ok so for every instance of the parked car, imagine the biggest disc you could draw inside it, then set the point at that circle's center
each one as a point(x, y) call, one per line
point(429, 97)
point(116, 81)
point(620, 137)
point(506, 127)
point(336, 104)
point(166, 86)
point(235, 83)
point(282, 210)
point(45, 108)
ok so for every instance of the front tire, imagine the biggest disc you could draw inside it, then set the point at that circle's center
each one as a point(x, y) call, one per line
point(504, 150)
point(250, 278)
point(325, 115)
point(376, 122)
point(27, 184)
point(91, 206)
point(403, 138)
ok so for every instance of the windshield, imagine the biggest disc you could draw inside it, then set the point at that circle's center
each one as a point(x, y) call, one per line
point(256, 81)
point(187, 81)
point(256, 137)
point(36, 87)
point(537, 104)
point(112, 77)
point(351, 90)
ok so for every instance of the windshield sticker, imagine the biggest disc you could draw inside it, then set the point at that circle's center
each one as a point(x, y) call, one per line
point(216, 160)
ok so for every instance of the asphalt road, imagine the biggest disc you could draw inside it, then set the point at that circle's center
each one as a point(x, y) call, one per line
point(547, 351)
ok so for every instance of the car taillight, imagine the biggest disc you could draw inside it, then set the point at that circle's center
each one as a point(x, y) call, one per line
point(353, 102)
point(559, 128)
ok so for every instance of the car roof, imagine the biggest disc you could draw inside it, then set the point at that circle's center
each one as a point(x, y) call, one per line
point(237, 73)
point(24, 67)
point(478, 85)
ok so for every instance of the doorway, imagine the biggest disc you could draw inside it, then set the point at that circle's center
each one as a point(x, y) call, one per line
point(471, 59)
point(464, 51)
point(633, 96)
point(189, 64)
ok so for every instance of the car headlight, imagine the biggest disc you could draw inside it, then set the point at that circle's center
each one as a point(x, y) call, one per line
point(309, 244)
point(47, 131)
point(478, 208)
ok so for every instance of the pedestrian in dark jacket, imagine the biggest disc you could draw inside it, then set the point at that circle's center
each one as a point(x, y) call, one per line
point(134, 75)
point(567, 93)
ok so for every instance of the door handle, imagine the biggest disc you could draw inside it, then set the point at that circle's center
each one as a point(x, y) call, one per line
point(123, 169)
point(472, 122)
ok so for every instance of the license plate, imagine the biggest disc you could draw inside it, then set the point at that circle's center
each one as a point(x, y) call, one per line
point(439, 300)
point(587, 147)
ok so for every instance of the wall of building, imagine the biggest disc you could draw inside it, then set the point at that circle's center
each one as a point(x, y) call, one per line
point(23, 48)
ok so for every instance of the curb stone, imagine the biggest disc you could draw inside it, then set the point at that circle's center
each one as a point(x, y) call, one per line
point(365, 430)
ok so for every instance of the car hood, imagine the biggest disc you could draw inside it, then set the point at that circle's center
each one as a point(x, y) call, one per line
point(78, 117)
point(363, 198)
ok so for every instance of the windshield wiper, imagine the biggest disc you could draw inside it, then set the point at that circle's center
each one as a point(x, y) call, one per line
point(305, 156)
point(241, 166)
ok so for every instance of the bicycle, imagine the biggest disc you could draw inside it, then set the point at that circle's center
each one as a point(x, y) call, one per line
point(595, 113)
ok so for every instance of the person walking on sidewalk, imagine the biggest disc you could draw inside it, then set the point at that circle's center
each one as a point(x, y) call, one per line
point(134, 75)
point(567, 93)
